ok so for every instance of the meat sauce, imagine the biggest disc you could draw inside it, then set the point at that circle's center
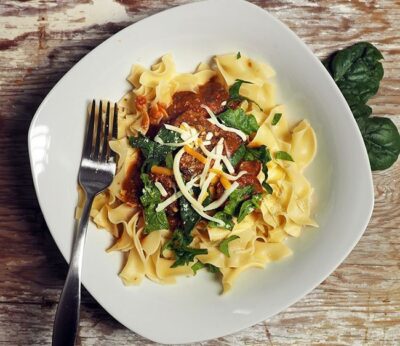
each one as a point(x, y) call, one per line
point(186, 107)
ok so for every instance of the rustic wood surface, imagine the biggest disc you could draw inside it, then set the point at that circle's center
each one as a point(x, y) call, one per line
point(359, 304)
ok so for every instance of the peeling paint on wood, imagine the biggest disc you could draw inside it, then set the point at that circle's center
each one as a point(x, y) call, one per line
point(359, 304)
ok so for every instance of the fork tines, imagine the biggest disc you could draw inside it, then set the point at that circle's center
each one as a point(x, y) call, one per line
point(98, 133)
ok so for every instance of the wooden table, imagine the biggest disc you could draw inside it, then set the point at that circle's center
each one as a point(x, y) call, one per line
point(359, 304)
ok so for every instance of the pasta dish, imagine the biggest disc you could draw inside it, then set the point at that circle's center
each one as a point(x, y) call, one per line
point(209, 173)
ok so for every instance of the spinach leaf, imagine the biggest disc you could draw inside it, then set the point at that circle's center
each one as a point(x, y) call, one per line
point(238, 55)
point(224, 245)
point(180, 245)
point(169, 160)
point(226, 218)
point(283, 155)
point(357, 71)
point(249, 206)
point(188, 215)
point(150, 198)
point(168, 136)
point(234, 94)
point(238, 155)
point(199, 265)
point(154, 152)
point(236, 197)
point(276, 118)
point(238, 119)
point(361, 110)
point(382, 139)
point(260, 154)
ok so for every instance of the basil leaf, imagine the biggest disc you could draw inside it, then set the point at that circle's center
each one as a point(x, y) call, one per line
point(361, 110)
point(150, 198)
point(249, 206)
point(154, 152)
point(226, 218)
point(188, 215)
point(283, 155)
point(382, 139)
point(238, 155)
point(276, 118)
point(234, 94)
point(183, 253)
point(238, 55)
point(224, 245)
point(267, 187)
point(236, 197)
point(197, 266)
point(260, 154)
point(169, 136)
point(357, 71)
point(238, 119)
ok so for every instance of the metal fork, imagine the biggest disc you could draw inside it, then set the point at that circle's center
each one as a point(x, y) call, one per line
point(96, 173)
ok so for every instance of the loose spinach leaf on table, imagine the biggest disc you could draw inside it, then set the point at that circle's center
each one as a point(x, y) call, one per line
point(357, 70)
point(238, 119)
point(382, 140)
point(249, 206)
point(150, 198)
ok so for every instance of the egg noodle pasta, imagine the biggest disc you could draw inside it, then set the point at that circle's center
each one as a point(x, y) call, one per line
point(209, 172)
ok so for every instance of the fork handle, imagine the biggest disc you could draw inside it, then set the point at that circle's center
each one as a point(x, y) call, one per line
point(67, 316)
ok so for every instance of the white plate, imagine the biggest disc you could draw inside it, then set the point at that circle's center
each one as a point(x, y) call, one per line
point(193, 310)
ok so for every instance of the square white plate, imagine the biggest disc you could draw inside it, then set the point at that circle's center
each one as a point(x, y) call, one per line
point(193, 310)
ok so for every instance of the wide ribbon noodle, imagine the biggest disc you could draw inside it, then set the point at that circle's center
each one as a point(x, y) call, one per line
point(261, 235)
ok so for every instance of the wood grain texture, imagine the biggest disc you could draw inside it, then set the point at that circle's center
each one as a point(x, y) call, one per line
point(359, 304)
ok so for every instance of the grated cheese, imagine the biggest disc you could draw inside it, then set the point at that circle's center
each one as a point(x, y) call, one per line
point(161, 188)
point(216, 204)
point(161, 206)
point(209, 135)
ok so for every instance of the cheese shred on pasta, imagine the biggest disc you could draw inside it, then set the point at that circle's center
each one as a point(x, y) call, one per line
point(261, 234)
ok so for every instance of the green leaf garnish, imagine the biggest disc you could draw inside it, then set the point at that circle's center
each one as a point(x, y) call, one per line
point(249, 206)
point(276, 118)
point(197, 266)
point(238, 119)
point(283, 155)
point(169, 136)
point(238, 155)
point(238, 55)
point(184, 254)
point(150, 198)
point(224, 245)
point(188, 215)
point(236, 197)
point(226, 218)
point(234, 94)
point(169, 161)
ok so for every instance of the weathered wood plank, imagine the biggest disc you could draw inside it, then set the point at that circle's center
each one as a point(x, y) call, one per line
point(359, 304)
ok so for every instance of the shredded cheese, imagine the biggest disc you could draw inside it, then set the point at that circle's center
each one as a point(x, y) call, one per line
point(174, 128)
point(209, 135)
point(228, 165)
point(179, 181)
point(195, 154)
point(181, 144)
point(161, 170)
point(171, 199)
point(216, 204)
point(161, 188)
point(215, 121)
